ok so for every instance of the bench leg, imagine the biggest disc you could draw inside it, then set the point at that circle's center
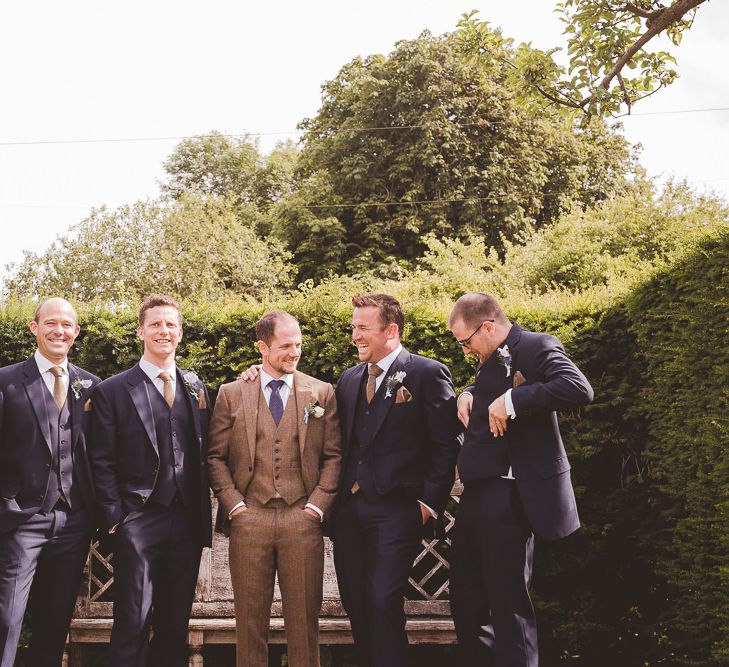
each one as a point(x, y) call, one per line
point(195, 641)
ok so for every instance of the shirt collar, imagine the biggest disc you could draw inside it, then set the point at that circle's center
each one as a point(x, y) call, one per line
point(44, 365)
point(387, 361)
point(288, 378)
point(153, 371)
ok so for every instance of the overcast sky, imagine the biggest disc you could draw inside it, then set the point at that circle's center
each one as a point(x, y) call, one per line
point(89, 70)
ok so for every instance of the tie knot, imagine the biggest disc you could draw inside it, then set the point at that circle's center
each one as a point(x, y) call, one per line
point(165, 376)
point(375, 371)
point(56, 370)
point(275, 385)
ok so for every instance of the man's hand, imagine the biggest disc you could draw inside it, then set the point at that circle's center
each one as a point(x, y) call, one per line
point(424, 513)
point(250, 375)
point(464, 403)
point(497, 416)
point(238, 510)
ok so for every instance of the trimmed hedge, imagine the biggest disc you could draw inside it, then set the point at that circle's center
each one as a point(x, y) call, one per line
point(646, 581)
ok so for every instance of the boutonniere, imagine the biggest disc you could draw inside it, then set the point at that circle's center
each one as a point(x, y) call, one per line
point(503, 356)
point(78, 386)
point(393, 381)
point(314, 410)
point(195, 387)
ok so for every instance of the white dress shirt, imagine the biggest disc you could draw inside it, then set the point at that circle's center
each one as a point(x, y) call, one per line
point(45, 365)
point(152, 372)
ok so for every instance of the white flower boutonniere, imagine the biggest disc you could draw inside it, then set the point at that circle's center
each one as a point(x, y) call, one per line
point(503, 356)
point(393, 381)
point(195, 387)
point(78, 386)
point(314, 410)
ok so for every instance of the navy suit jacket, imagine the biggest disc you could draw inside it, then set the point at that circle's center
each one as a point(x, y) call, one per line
point(551, 382)
point(416, 442)
point(25, 440)
point(123, 446)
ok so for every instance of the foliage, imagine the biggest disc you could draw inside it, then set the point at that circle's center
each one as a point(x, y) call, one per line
point(604, 37)
point(645, 581)
point(426, 141)
point(196, 245)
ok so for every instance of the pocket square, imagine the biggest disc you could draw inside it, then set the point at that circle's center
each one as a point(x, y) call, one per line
point(403, 396)
point(519, 378)
point(87, 405)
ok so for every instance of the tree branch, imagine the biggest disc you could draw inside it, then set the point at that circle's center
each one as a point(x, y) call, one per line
point(661, 19)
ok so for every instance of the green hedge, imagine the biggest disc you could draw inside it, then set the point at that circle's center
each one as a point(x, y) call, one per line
point(646, 581)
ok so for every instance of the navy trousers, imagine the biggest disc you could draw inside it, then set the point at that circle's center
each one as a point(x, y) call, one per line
point(45, 555)
point(491, 567)
point(375, 543)
point(156, 562)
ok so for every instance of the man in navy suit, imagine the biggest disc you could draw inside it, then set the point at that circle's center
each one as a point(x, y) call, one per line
point(400, 436)
point(516, 479)
point(46, 493)
point(149, 460)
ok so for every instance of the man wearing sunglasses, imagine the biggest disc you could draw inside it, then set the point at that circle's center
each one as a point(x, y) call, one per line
point(516, 479)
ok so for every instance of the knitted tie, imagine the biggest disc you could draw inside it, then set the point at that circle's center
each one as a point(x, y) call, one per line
point(59, 393)
point(168, 391)
point(375, 372)
point(275, 404)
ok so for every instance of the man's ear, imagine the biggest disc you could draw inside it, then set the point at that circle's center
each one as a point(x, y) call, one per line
point(262, 347)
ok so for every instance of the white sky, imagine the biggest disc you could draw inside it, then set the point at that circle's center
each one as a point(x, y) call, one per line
point(160, 68)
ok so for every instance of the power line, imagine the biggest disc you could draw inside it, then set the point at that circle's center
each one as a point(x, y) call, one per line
point(51, 142)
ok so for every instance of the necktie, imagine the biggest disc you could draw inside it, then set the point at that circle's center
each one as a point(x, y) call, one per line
point(375, 372)
point(275, 404)
point(59, 393)
point(168, 391)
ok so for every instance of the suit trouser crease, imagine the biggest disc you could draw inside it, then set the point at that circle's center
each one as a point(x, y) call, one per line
point(43, 559)
point(374, 548)
point(491, 565)
point(263, 541)
point(157, 559)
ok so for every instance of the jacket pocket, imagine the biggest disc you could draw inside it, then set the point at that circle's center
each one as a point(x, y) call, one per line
point(554, 468)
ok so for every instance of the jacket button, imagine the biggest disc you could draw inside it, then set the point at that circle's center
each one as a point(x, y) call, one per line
point(40, 498)
point(48, 466)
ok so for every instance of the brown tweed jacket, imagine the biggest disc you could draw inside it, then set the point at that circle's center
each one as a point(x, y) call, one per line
point(232, 443)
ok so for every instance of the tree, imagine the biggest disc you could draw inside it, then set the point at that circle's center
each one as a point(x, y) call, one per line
point(604, 38)
point(195, 246)
point(426, 140)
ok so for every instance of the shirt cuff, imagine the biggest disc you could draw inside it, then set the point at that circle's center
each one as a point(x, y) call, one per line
point(509, 405)
point(241, 503)
point(316, 509)
point(432, 512)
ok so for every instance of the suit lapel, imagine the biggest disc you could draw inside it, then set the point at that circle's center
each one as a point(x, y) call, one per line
point(140, 397)
point(75, 405)
point(351, 396)
point(250, 392)
point(400, 364)
point(34, 387)
point(303, 393)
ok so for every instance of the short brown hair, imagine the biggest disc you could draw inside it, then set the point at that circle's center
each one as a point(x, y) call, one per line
point(266, 326)
point(154, 300)
point(36, 314)
point(474, 308)
point(389, 307)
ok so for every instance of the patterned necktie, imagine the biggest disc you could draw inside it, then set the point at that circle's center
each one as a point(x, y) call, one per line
point(375, 372)
point(59, 393)
point(275, 404)
point(168, 391)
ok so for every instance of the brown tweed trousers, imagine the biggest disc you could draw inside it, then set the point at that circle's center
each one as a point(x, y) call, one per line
point(276, 470)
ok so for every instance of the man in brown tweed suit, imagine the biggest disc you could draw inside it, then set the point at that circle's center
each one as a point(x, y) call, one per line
point(274, 461)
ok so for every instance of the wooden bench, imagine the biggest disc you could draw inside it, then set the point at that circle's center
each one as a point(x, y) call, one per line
point(212, 620)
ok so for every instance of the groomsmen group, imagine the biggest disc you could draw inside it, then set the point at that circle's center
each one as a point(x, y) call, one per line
point(288, 457)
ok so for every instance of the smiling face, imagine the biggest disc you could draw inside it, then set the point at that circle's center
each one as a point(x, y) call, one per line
point(161, 332)
point(282, 354)
point(55, 328)
point(373, 339)
point(481, 341)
